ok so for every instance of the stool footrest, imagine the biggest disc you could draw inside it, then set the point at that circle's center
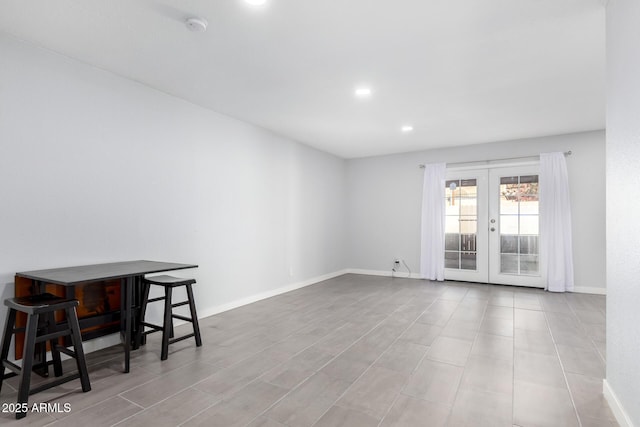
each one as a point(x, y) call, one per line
point(11, 366)
point(156, 299)
point(186, 319)
point(178, 304)
point(53, 335)
point(174, 340)
point(152, 326)
point(54, 383)
point(67, 351)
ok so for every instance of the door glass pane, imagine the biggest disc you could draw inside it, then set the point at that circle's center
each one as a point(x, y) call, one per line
point(528, 264)
point(468, 242)
point(509, 195)
point(468, 260)
point(468, 224)
point(528, 244)
point(468, 197)
point(519, 225)
point(452, 259)
point(508, 244)
point(452, 196)
point(509, 224)
point(452, 241)
point(461, 223)
point(529, 224)
point(509, 264)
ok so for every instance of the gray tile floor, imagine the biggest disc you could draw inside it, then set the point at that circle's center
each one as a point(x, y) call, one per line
point(361, 351)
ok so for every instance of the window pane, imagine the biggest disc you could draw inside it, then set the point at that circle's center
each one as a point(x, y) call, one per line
point(529, 207)
point(452, 242)
point(529, 244)
point(468, 242)
point(469, 206)
point(468, 260)
point(509, 224)
point(529, 194)
point(468, 197)
point(509, 199)
point(528, 264)
point(452, 206)
point(525, 179)
point(509, 264)
point(529, 225)
point(452, 260)
point(452, 224)
point(452, 197)
point(508, 244)
point(508, 180)
point(468, 225)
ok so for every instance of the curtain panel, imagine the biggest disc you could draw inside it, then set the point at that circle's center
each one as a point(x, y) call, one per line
point(433, 216)
point(555, 222)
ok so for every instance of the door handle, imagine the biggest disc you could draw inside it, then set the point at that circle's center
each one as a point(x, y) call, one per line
point(493, 229)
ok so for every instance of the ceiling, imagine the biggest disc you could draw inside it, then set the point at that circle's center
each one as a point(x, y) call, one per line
point(459, 71)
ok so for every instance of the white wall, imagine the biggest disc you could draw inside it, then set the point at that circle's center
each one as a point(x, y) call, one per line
point(96, 168)
point(385, 196)
point(623, 205)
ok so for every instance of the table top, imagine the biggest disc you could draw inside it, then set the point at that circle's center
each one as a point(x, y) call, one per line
point(95, 272)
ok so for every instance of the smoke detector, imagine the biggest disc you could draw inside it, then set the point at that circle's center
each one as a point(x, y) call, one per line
point(197, 25)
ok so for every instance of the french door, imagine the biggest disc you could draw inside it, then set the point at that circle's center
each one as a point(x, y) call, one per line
point(492, 226)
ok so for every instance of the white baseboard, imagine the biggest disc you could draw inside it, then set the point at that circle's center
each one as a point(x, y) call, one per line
point(264, 295)
point(589, 290)
point(615, 405)
point(399, 275)
point(576, 289)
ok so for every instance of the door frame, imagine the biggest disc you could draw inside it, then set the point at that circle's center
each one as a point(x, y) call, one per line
point(487, 242)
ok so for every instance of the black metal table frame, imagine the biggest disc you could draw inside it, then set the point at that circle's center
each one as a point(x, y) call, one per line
point(129, 272)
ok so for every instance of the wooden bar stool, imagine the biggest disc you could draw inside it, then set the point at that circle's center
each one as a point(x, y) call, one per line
point(169, 283)
point(41, 327)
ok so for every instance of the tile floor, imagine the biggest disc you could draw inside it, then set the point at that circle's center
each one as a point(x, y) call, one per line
point(361, 351)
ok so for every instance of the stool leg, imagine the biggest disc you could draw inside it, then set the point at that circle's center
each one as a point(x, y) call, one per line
point(27, 362)
point(6, 341)
point(194, 316)
point(143, 312)
point(55, 354)
point(76, 338)
point(167, 323)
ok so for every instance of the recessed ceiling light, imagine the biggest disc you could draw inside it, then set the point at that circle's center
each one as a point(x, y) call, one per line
point(255, 2)
point(363, 92)
point(406, 128)
point(197, 25)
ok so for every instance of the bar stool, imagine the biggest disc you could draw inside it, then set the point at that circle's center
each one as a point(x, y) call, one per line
point(42, 327)
point(169, 283)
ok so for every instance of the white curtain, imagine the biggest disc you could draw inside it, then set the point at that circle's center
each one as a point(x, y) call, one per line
point(433, 209)
point(555, 222)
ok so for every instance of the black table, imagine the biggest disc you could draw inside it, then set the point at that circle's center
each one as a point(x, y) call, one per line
point(129, 272)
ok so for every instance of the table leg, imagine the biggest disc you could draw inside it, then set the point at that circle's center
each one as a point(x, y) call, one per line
point(135, 310)
point(40, 366)
point(128, 327)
